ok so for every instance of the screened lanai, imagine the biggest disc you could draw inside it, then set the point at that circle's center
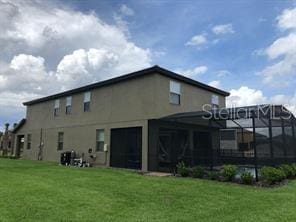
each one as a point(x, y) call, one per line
point(252, 136)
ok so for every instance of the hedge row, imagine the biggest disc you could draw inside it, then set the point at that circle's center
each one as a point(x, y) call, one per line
point(267, 175)
point(8, 157)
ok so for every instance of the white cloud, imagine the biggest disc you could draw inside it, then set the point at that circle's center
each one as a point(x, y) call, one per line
point(245, 96)
point(46, 48)
point(282, 52)
point(125, 10)
point(81, 66)
point(283, 46)
point(287, 19)
point(215, 83)
point(198, 70)
point(223, 73)
point(223, 29)
point(26, 74)
point(288, 101)
point(52, 32)
point(280, 74)
point(197, 40)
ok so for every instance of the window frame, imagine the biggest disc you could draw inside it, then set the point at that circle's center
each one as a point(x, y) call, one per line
point(86, 101)
point(99, 142)
point(56, 107)
point(68, 105)
point(215, 101)
point(60, 141)
point(175, 92)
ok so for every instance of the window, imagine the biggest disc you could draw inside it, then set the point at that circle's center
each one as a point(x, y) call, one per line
point(215, 102)
point(228, 139)
point(60, 141)
point(86, 102)
point(29, 139)
point(228, 134)
point(68, 105)
point(100, 140)
point(175, 93)
point(56, 107)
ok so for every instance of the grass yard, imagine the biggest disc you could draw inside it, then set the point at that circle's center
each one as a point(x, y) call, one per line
point(42, 191)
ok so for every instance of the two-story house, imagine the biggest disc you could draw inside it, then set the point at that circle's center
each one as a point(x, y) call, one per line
point(115, 119)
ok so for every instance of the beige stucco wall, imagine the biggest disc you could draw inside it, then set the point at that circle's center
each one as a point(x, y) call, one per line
point(126, 104)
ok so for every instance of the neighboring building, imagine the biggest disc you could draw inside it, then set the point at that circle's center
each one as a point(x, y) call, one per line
point(7, 139)
point(111, 117)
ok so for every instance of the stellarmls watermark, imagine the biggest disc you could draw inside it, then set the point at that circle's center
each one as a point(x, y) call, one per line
point(274, 112)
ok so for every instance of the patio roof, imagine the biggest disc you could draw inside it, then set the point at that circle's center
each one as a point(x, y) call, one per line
point(239, 117)
point(263, 111)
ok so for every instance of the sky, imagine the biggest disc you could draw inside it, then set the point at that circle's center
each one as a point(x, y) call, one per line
point(247, 48)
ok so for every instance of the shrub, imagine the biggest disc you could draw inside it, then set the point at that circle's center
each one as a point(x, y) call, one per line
point(12, 157)
point(198, 172)
point(4, 156)
point(228, 172)
point(182, 169)
point(271, 175)
point(247, 177)
point(294, 169)
point(8, 157)
point(213, 175)
point(288, 170)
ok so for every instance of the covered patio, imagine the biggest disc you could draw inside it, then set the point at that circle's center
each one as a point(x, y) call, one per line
point(252, 137)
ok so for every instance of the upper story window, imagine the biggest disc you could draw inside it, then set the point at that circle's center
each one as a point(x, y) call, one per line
point(86, 102)
point(29, 141)
point(56, 107)
point(100, 140)
point(215, 102)
point(175, 93)
point(68, 105)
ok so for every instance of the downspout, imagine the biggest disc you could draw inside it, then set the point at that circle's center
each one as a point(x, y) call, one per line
point(40, 146)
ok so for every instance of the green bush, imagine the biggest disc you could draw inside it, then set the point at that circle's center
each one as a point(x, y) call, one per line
point(4, 156)
point(198, 172)
point(288, 170)
point(8, 157)
point(12, 157)
point(294, 169)
point(182, 169)
point(213, 175)
point(247, 178)
point(228, 172)
point(271, 175)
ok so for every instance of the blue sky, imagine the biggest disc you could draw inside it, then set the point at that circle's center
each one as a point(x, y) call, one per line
point(165, 26)
point(244, 47)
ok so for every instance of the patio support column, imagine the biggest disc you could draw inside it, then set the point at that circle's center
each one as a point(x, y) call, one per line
point(191, 147)
point(284, 139)
point(211, 144)
point(270, 136)
point(294, 137)
point(255, 146)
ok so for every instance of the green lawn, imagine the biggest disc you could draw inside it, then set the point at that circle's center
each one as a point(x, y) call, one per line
point(41, 191)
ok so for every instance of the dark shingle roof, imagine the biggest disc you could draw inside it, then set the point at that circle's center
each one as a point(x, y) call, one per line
point(153, 69)
point(19, 125)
